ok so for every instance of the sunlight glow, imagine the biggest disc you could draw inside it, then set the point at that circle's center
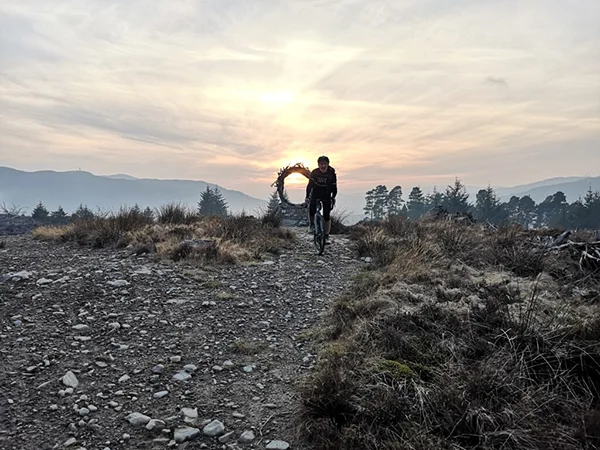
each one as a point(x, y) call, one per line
point(296, 180)
point(277, 98)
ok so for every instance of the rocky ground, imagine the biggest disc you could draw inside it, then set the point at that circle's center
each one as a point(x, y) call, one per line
point(101, 349)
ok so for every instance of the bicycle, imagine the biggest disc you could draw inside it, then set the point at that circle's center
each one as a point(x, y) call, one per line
point(318, 228)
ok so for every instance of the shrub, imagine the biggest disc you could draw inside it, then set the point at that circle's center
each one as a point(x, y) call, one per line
point(175, 214)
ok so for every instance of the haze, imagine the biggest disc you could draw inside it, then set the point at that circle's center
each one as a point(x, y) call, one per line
point(398, 92)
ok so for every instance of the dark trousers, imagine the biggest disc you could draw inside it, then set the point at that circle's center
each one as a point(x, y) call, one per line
point(326, 207)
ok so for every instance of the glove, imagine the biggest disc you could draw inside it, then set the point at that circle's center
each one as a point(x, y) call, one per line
point(332, 203)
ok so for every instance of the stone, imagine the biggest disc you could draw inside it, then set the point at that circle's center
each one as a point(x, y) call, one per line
point(228, 365)
point(155, 424)
point(158, 368)
point(247, 437)
point(183, 434)
point(190, 368)
point(160, 394)
point(214, 428)
point(226, 437)
point(118, 283)
point(190, 412)
point(278, 445)
point(81, 327)
point(70, 380)
point(136, 418)
point(182, 376)
point(69, 442)
point(124, 378)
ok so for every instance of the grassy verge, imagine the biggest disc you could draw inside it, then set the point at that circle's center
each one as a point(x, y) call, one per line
point(457, 338)
point(177, 234)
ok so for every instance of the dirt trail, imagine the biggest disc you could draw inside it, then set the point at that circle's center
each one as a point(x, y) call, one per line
point(126, 325)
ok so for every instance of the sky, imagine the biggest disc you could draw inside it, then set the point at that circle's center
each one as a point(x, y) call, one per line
point(409, 92)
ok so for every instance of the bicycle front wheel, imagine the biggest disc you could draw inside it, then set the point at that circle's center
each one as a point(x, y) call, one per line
point(319, 234)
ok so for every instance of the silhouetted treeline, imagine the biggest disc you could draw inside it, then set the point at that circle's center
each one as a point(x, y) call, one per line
point(553, 212)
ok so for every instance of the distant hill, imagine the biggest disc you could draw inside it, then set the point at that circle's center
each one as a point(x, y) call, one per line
point(121, 176)
point(70, 189)
point(572, 187)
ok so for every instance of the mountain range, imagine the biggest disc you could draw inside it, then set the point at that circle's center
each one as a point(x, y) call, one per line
point(72, 188)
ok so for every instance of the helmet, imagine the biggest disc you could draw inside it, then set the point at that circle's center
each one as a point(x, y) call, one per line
point(324, 159)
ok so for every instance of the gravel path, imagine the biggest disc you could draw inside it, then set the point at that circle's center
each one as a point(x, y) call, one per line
point(100, 349)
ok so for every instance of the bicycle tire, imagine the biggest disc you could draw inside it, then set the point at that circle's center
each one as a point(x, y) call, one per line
point(320, 234)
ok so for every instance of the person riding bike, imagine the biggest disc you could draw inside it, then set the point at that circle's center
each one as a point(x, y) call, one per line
point(322, 185)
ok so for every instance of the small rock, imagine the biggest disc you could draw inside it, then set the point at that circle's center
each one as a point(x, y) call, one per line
point(175, 358)
point(278, 445)
point(182, 376)
point(70, 380)
point(248, 369)
point(190, 368)
point(136, 418)
point(184, 434)
point(92, 408)
point(161, 394)
point(228, 365)
point(53, 407)
point(81, 327)
point(247, 437)
point(190, 412)
point(118, 283)
point(271, 405)
point(124, 378)
point(215, 428)
point(101, 364)
point(69, 442)
point(84, 412)
point(158, 368)
point(226, 437)
point(238, 415)
point(155, 424)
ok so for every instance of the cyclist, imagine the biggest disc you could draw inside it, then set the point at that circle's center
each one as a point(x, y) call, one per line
point(322, 185)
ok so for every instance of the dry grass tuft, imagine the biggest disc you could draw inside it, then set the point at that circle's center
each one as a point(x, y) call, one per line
point(438, 346)
point(51, 233)
point(175, 214)
point(179, 235)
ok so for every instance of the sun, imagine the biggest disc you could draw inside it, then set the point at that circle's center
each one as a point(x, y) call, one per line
point(295, 180)
point(277, 98)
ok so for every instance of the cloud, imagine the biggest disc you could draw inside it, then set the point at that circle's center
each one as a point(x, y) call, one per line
point(228, 91)
point(497, 81)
